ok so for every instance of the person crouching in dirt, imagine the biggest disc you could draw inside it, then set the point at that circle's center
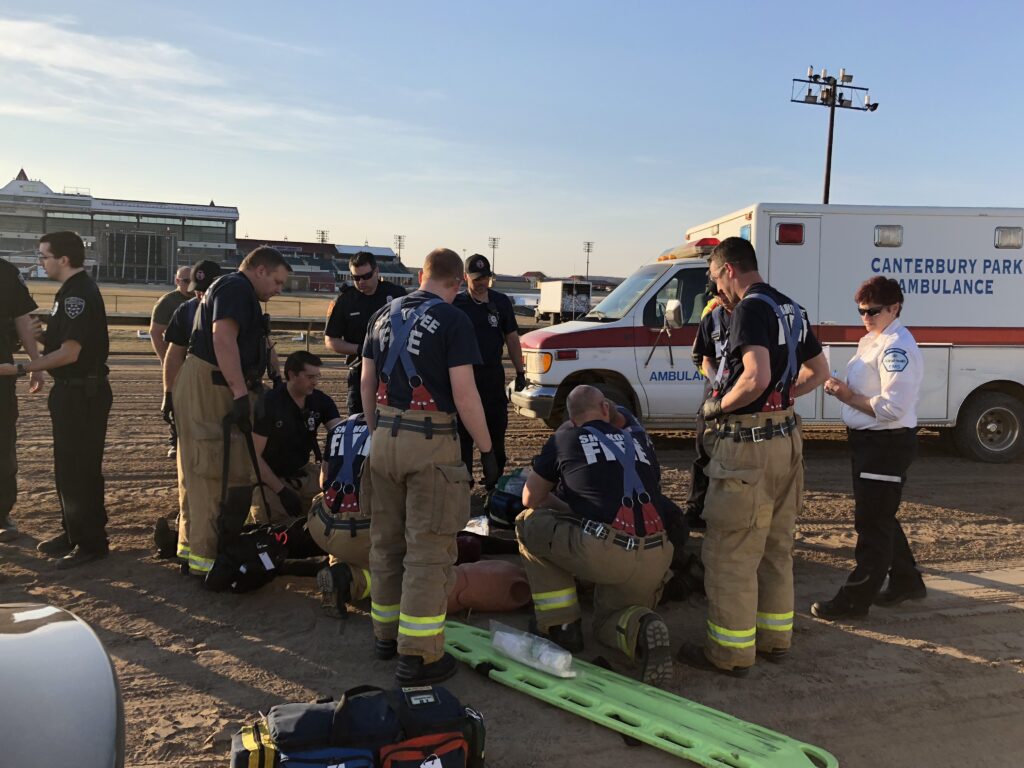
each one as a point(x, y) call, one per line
point(606, 525)
point(288, 418)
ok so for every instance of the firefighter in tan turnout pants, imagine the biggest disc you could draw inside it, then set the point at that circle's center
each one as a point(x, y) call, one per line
point(418, 362)
point(756, 467)
point(215, 391)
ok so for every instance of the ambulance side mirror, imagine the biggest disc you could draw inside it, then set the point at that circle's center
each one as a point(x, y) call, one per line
point(673, 314)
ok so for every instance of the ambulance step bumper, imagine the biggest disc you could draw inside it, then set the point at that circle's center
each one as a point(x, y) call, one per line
point(534, 402)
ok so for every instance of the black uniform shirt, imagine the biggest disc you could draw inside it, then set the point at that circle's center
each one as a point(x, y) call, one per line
point(179, 328)
point(492, 320)
point(753, 323)
point(442, 339)
point(290, 430)
point(350, 313)
point(15, 301)
point(704, 343)
point(334, 449)
point(587, 478)
point(78, 314)
point(164, 309)
point(232, 297)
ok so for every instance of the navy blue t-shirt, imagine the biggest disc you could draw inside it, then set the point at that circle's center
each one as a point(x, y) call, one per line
point(754, 323)
point(289, 429)
point(334, 449)
point(232, 297)
point(179, 329)
point(590, 480)
point(492, 320)
point(442, 339)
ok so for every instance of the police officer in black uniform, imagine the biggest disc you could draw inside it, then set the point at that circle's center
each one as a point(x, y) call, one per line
point(15, 324)
point(494, 322)
point(285, 433)
point(351, 312)
point(75, 354)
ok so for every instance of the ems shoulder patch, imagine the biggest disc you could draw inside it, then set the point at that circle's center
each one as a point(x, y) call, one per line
point(894, 360)
point(74, 306)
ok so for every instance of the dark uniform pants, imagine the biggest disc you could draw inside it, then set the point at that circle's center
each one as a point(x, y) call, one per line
point(880, 459)
point(8, 442)
point(79, 409)
point(351, 546)
point(201, 406)
point(699, 480)
point(490, 383)
point(628, 582)
point(354, 399)
point(754, 496)
point(416, 492)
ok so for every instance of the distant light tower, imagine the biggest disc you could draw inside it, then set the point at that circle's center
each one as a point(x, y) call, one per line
point(322, 235)
point(588, 246)
point(399, 245)
point(493, 243)
point(827, 91)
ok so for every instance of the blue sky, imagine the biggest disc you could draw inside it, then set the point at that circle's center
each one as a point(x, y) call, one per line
point(543, 124)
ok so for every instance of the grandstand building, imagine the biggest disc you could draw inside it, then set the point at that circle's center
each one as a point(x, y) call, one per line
point(130, 241)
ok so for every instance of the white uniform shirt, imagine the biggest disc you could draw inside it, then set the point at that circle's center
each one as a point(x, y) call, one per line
point(887, 369)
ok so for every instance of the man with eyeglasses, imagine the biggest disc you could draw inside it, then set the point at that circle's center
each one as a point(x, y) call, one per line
point(285, 433)
point(75, 354)
point(350, 314)
point(163, 311)
point(756, 467)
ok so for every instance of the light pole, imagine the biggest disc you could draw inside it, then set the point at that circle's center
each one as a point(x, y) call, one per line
point(588, 246)
point(492, 243)
point(399, 245)
point(827, 91)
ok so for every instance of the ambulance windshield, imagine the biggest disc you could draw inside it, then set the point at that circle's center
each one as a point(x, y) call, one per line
point(617, 303)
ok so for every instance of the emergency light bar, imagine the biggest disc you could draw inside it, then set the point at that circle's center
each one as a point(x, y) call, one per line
point(702, 247)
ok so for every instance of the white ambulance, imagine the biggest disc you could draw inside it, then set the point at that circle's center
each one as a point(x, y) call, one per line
point(960, 270)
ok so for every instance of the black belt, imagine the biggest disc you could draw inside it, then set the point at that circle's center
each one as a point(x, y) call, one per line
point(629, 543)
point(426, 426)
point(757, 434)
point(252, 383)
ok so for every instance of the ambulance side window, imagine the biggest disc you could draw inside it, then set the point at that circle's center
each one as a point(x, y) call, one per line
point(687, 285)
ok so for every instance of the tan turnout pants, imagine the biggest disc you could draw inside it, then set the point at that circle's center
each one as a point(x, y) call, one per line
point(306, 483)
point(200, 408)
point(754, 495)
point(417, 492)
point(349, 546)
point(628, 582)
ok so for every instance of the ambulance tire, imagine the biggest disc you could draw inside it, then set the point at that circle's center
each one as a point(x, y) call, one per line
point(990, 428)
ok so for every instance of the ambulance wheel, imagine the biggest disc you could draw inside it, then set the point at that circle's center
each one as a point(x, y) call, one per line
point(991, 428)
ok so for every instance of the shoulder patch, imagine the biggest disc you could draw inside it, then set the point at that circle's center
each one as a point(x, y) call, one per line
point(21, 278)
point(74, 306)
point(895, 360)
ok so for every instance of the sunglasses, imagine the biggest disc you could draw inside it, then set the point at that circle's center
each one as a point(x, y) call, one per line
point(870, 311)
point(365, 276)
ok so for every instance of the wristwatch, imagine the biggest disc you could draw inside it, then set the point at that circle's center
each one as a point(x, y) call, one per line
point(21, 369)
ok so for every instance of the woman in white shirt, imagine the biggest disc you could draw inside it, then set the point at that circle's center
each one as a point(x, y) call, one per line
point(879, 396)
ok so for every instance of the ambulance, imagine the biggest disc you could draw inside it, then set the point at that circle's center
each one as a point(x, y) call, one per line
point(961, 274)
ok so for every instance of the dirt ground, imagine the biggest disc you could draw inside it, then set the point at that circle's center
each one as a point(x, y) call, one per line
point(933, 683)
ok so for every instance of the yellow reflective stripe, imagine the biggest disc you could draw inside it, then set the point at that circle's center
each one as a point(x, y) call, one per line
point(183, 551)
point(198, 564)
point(622, 627)
point(420, 626)
point(777, 622)
point(550, 601)
point(744, 638)
point(366, 592)
point(385, 614)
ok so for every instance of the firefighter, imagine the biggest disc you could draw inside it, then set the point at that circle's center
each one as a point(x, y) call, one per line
point(214, 395)
point(351, 312)
point(285, 434)
point(75, 354)
point(163, 311)
point(607, 525)
point(756, 467)
point(16, 324)
point(879, 397)
point(418, 363)
point(495, 326)
point(708, 352)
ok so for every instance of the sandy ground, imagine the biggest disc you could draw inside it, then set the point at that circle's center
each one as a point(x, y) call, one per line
point(934, 683)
